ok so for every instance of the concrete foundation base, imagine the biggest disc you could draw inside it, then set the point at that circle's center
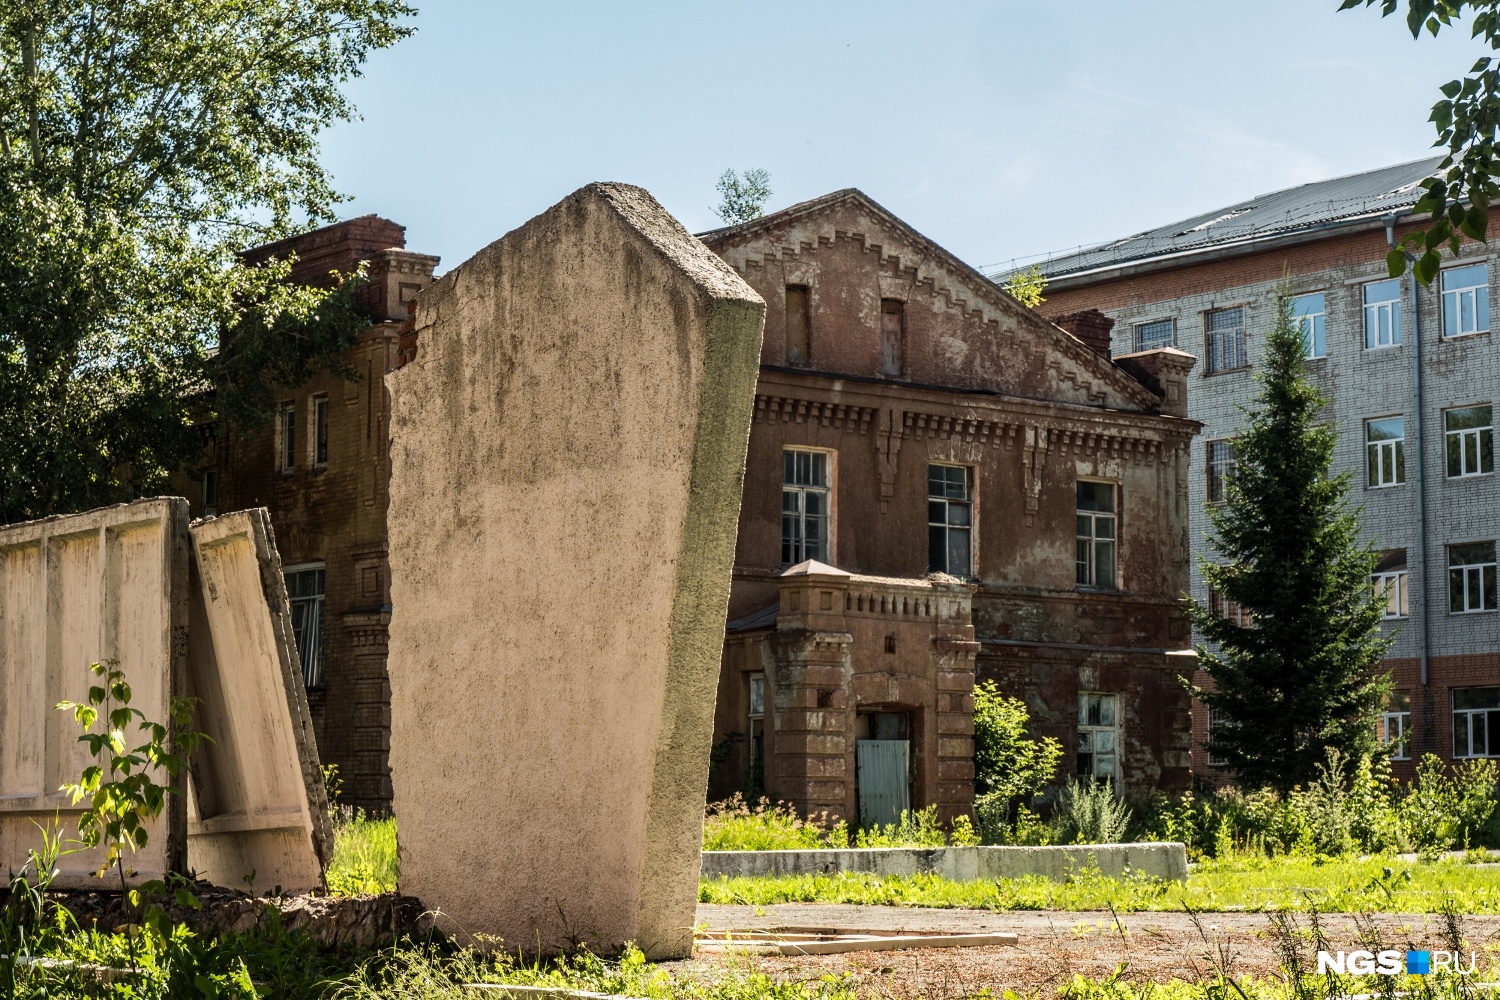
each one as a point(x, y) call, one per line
point(961, 864)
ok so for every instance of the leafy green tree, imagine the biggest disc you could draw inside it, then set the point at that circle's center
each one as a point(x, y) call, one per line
point(143, 145)
point(1302, 674)
point(1008, 763)
point(1026, 286)
point(1467, 119)
point(743, 196)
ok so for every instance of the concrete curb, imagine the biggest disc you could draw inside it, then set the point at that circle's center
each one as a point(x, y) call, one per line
point(961, 864)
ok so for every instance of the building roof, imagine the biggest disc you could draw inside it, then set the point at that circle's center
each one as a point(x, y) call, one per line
point(1351, 201)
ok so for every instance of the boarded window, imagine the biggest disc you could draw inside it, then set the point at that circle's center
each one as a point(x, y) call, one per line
point(892, 337)
point(798, 343)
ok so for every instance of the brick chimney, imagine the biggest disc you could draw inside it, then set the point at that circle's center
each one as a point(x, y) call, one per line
point(1090, 326)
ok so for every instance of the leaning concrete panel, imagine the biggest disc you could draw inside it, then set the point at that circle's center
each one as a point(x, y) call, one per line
point(109, 584)
point(258, 816)
point(568, 452)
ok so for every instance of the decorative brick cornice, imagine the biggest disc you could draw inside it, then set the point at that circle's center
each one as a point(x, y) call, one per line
point(855, 419)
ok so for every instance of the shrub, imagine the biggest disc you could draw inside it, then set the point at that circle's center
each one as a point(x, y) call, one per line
point(1089, 812)
point(735, 825)
point(1010, 768)
point(914, 829)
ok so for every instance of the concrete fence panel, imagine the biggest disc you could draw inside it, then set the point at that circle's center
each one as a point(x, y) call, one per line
point(258, 814)
point(109, 584)
point(568, 451)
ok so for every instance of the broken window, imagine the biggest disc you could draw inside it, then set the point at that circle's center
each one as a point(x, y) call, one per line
point(320, 431)
point(1395, 725)
point(286, 437)
point(798, 342)
point(1382, 314)
point(1471, 577)
point(1471, 441)
point(892, 337)
point(949, 521)
point(1307, 316)
point(1466, 300)
point(1389, 580)
point(1476, 722)
point(1385, 452)
point(1220, 466)
point(1096, 534)
point(1225, 334)
point(1098, 757)
point(1156, 334)
point(304, 590)
point(805, 495)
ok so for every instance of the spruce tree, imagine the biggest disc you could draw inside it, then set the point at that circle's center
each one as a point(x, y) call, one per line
point(1298, 671)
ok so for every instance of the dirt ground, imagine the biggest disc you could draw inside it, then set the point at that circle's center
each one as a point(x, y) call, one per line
point(1053, 946)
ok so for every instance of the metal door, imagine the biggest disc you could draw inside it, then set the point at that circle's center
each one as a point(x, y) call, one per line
point(883, 766)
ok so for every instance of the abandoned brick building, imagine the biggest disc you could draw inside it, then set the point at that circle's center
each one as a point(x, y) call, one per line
point(321, 469)
point(939, 482)
point(1411, 374)
point(942, 483)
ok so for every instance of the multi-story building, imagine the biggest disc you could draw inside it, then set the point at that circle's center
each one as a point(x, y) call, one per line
point(1413, 374)
point(941, 483)
point(321, 469)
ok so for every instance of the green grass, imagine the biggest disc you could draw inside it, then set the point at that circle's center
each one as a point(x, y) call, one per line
point(1248, 883)
point(364, 857)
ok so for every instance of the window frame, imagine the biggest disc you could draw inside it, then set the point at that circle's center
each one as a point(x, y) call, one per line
point(1477, 300)
point(828, 491)
point(1484, 440)
point(319, 412)
point(1092, 730)
point(1093, 539)
point(1169, 322)
point(1397, 448)
point(947, 527)
point(1392, 309)
point(1217, 472)
point(1400, 743)
point(1214, 355)
point(208, 492)
point(310, 659)
point(1316, 338)
point(286, 437)
point(1471, 571)
point(887, 369)
point(1392, 583)
point(1468, 715)
point(805, 292)
point(1216, 720)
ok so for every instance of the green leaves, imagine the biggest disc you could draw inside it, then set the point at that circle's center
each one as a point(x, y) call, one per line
point(142, 147)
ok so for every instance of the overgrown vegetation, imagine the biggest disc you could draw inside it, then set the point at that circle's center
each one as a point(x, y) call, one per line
point(1243, 882)
point(743, 196)
point(735, 825)
point(1027, 285)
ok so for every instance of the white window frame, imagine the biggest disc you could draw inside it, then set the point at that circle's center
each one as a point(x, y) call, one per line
point(319, 411)
point(308, 616)
point(1395, 728)
point(1217, 471)
point(798, 493)
point(1385, 455)
point(1463, 724)
point(1481, 438)
point(1473, 583)
point(286, 437)
point(1313, 326)
point(1216, 721)
point(1089, 734)
point(1225, 348)
point(949, 506)
point(1389, 310)
point(1391, 590)
point(1476, 297)
point(1089, 546)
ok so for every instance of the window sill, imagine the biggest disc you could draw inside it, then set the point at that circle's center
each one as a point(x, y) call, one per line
point(1470, 475)
point(1462, 336)
point(1382, 347)
point(1476, 611)
point(1226, 371)
point(1385, 486)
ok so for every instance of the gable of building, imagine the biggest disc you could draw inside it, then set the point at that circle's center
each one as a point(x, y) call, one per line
point(853, 267)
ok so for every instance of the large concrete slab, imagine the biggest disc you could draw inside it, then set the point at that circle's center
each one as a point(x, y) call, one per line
point(258, 814)
point(109, 584)
point(567, 456)
point(962, 864)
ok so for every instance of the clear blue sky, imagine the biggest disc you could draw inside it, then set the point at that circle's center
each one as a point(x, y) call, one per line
point(999, 129)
